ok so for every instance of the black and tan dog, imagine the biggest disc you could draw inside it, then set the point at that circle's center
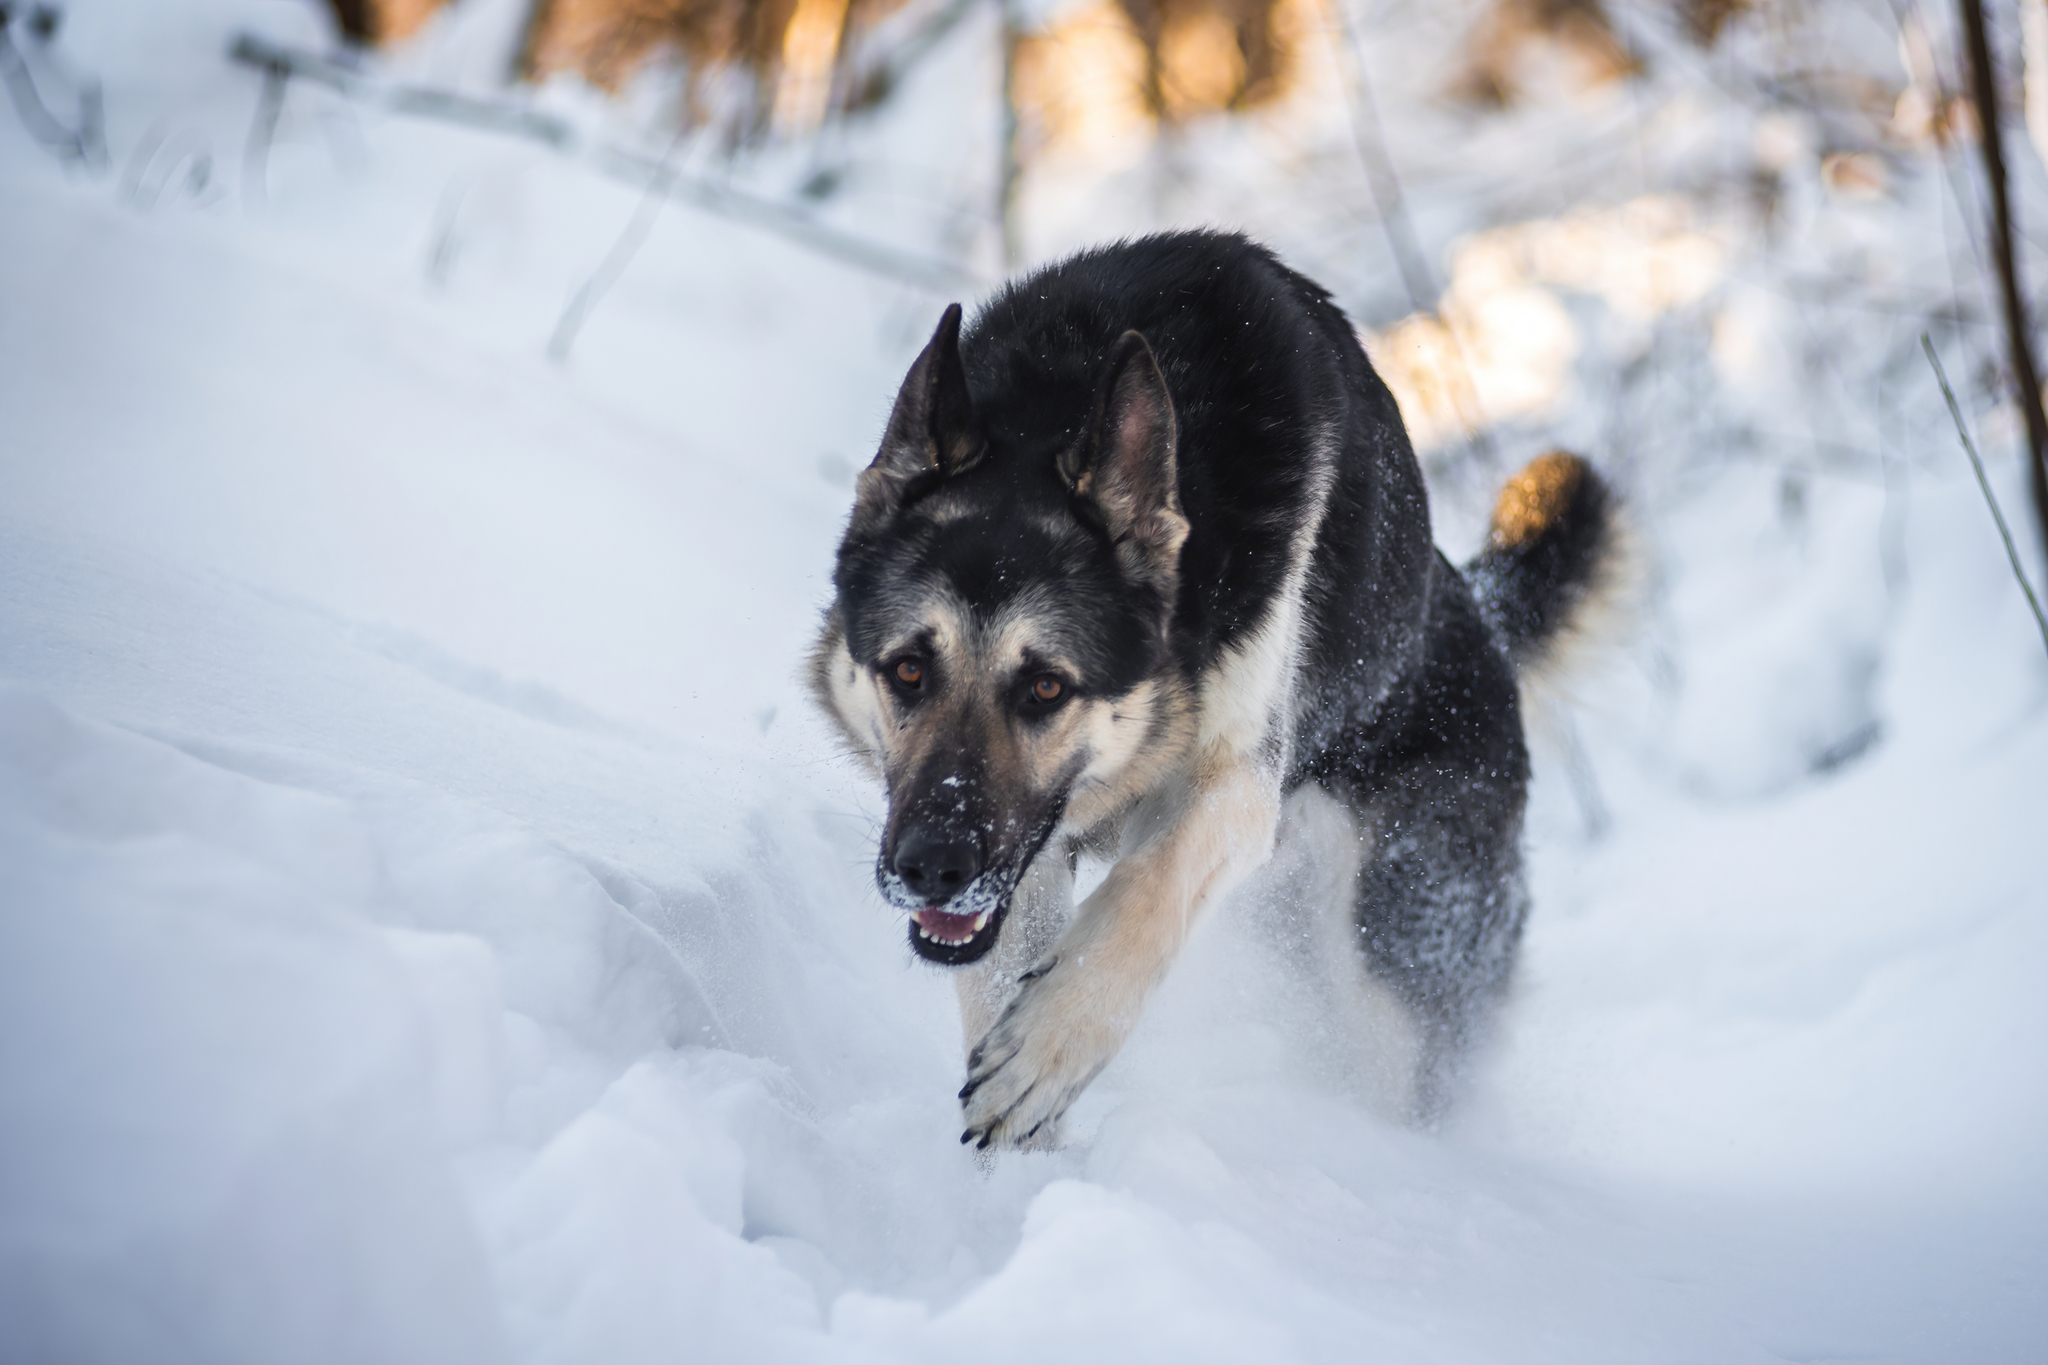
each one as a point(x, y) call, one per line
point(1143, 561)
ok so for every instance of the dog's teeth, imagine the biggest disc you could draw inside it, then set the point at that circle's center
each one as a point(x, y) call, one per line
point(980, 920)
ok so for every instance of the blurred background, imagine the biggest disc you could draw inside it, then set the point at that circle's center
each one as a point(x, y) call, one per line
point(434, 923)
point(1699, 241)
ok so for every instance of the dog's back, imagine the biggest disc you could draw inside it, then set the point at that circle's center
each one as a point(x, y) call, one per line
point(1283, 427)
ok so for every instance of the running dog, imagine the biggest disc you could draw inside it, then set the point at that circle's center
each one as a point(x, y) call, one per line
point(1144, 554)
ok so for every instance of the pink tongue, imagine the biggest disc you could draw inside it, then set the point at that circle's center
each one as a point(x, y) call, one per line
point(947, 929)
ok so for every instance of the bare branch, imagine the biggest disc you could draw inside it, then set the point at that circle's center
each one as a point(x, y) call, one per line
point(639, 170)
point(1970, 449)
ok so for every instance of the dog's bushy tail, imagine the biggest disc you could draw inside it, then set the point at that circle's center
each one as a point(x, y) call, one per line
point(1555, 556)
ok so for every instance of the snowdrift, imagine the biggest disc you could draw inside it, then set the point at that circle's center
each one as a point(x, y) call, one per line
point(434, 927)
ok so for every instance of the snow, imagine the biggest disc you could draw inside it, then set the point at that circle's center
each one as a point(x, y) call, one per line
point(434, 924)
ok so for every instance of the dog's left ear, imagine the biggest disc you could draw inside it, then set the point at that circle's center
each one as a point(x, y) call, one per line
point(1125, 465)
point(932, 432)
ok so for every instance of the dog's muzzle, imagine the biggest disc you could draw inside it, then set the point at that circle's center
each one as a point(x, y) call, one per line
point(935, 868)
point(956, 900)
point(956, 904)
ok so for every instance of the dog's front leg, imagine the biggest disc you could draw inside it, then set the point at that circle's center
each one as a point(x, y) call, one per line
point(1076, 1005)
point(1038, 911)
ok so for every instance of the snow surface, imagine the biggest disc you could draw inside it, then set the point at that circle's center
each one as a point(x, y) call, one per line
point(434, 926)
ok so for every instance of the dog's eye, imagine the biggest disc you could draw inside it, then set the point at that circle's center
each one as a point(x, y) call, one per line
point(1046, 689)
point(910, 673)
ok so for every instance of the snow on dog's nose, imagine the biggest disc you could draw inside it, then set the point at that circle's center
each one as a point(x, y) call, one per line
point(936, 867)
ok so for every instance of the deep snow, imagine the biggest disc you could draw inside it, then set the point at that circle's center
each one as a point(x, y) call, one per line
point(434, 926)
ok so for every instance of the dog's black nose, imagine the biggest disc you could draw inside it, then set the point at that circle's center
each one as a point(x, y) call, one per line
point(936, 866)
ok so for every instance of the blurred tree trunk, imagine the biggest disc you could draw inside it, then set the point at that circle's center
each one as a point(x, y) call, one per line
point(381, 21)
point(1985, 89)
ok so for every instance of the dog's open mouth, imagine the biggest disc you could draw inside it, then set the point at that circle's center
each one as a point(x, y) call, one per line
point(953, 940)
point(951, 930)
point(963, 928)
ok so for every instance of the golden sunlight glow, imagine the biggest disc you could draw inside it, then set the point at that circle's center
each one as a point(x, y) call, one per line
point(803, 90)
point(1501, 345)
point(1081, 82)
point(1643, 258)
point(398, 20)
point(605, 41)
point(1087, 83)
point(1200, 65)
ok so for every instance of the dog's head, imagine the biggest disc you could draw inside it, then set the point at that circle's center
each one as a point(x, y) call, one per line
point(998, 649)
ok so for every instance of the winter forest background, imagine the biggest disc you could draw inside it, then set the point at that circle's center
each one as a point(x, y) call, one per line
point(434, 925)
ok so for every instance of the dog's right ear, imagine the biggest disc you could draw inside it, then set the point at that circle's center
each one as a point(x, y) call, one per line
point(1126, 465)
point(931, 432)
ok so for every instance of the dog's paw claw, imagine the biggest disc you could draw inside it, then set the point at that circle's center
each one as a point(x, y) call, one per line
point(1038, 1056)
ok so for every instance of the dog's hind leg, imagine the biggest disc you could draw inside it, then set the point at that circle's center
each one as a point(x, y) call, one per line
point(1439, 913)
point(1439, 788)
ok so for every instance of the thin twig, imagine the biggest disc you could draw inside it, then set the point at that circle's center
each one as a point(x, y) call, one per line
point(42, 125)
point(867, 86)
point(1392, 209)
point(1585, 783)
point(92, 125)
point(495, 116)
point(1380, 178)
point(1970, 449)
point(262, 132)
point(616, 260)
point(185, 147)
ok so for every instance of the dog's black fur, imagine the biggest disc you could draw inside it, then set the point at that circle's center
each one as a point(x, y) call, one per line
point(1303, 503)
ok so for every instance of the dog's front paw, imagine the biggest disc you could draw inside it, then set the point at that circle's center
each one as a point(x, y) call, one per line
point(1032, 1064)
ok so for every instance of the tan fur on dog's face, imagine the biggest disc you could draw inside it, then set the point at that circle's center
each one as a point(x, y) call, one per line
point(968, 747)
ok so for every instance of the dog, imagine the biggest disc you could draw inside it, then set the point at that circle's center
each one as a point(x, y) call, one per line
point(1145, 552)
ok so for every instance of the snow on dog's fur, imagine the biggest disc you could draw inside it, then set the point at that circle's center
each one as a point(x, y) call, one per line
point(1144, 550)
